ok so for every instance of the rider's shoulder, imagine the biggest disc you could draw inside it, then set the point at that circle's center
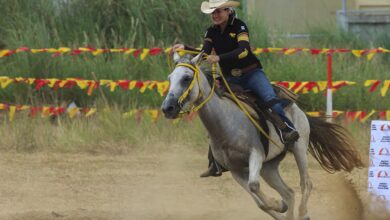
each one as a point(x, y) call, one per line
point(240, 25)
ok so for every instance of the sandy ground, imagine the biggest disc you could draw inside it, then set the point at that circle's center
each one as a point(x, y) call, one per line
point(160, 182)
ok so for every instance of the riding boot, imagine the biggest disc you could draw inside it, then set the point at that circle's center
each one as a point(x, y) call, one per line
point(288, 132)
point(214, 169)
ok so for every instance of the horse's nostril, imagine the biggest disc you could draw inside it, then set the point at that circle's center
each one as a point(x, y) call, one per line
point(170, 109)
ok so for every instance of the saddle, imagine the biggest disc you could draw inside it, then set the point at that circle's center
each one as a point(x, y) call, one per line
point(253, 104)
point(258, 110)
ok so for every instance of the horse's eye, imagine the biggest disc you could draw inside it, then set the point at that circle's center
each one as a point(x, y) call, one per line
point(187, 79)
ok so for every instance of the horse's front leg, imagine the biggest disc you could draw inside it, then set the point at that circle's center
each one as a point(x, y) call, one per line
point(245, 177)
point(256, 160)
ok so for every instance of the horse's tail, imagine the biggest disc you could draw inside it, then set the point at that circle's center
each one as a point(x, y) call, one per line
point(332, 146)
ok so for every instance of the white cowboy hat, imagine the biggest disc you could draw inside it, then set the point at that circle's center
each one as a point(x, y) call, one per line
point(209, 7)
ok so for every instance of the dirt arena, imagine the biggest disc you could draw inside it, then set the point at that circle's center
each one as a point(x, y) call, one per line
point(160, 182)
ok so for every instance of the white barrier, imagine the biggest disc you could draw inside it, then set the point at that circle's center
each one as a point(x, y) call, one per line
point(379, 167)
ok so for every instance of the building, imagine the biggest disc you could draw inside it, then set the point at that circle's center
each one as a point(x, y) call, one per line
point(297, 16)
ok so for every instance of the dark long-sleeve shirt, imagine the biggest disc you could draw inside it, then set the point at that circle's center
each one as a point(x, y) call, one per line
point(231, 45)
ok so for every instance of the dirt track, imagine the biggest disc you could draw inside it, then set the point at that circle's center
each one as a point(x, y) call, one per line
point(149, 184)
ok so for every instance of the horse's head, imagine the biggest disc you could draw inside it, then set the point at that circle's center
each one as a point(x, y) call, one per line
point(183, 85)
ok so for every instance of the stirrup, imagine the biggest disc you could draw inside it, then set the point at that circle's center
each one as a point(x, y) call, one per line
point(290, 136)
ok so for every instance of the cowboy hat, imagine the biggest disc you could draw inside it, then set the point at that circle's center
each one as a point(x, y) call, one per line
point(209, 7)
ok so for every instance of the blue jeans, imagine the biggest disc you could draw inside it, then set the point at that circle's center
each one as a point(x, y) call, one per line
point(257, 82)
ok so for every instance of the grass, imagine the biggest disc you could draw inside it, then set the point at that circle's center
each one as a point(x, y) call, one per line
point(105, 133)
point(145, 24)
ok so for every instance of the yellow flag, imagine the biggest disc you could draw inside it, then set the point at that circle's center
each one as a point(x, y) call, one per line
point(45, 111)
point(143, 88)
point(258, 51)
point(90, 112)
point(367, 116)
point(98, 52)
point(72, 112)
point(145, 52)
point(167, 50)
point(36, 50)
point(303, 84)
point(82, 83)
point(116, 50)
point(369, 82)
point(52, 82)
point(130, 51)
point(153, 114)
point(313, 114)
point(385, 87)
point(5, 81)
point(272, 49)
point(64, 49)
point(132, 84)
point(371, 55)
point(357, 53)
point(290, 51)
point(162, 87)
point(11, 113)
point(84, 49)
point(4, 52)
point(324, 50)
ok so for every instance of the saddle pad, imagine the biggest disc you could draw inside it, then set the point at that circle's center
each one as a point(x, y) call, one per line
point(249, 108)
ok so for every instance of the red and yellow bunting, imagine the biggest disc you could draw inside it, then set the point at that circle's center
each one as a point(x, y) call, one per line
point(348, 116)
point(46, 111)
point(89, 85)
point(154, 114)
point(385, 85)
point(142, 53)
point(162, 87)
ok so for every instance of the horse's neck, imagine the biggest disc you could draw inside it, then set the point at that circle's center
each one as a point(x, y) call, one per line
point(215, 113)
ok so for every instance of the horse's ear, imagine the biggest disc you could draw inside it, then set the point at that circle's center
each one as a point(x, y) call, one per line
point(196, 60)
point(176, 57)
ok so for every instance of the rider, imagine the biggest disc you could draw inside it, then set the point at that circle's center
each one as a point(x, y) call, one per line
point(229, 38)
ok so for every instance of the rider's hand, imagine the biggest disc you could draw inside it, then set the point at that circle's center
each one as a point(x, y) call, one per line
point(177, 47)
point(212, 59)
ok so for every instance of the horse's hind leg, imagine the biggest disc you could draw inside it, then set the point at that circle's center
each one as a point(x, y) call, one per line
point(271, 175)
point(299, 151)
point(242, 179)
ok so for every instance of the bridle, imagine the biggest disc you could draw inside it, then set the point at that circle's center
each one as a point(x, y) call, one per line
point(195, 79)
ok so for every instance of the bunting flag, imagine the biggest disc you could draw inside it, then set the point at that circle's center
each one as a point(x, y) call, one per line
point(155, 114)
point(373, 84)
point(46, 111)
point(143, 53)
point(88, 85)
point(162, 87)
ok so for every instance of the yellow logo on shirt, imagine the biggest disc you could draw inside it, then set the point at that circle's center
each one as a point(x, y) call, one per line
point(232, 35)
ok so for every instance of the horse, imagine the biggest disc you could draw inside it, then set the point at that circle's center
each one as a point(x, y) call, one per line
point(236, 144)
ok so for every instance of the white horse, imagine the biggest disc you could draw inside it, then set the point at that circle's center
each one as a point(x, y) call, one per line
point(236, 145)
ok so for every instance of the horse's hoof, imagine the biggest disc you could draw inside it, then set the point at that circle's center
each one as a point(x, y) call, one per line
point(254, 186)
point(306, 218)
point(284, 207)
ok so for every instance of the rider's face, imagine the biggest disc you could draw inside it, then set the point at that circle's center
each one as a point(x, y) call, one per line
point(220, 16)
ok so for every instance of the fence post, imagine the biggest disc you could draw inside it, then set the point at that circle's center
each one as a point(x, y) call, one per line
point(329, 101)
